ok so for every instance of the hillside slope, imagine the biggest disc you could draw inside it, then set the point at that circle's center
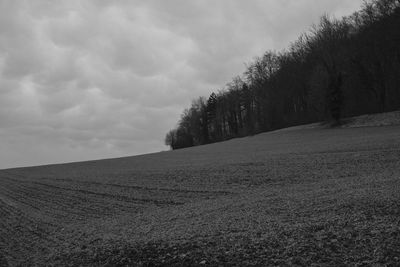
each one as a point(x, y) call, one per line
point(324, 196)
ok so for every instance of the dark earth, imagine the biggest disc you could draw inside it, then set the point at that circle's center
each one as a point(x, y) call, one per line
point(303, 196)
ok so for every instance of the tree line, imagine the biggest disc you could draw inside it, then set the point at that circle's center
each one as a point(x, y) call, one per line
point(342, 67)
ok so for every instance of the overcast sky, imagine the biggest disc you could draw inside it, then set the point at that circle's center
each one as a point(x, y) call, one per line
point(84, 80)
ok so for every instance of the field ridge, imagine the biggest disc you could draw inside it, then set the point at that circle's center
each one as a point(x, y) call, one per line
point(298, 197)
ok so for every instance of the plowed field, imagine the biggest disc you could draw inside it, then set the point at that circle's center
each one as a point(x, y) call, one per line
point(322, 196)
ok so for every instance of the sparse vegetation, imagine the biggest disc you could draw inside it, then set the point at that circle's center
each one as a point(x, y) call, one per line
point(341, 68)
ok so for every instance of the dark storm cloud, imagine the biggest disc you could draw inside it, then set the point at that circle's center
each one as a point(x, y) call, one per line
point(94, 79)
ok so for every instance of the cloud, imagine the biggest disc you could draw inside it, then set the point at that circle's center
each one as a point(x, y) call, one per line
point(92, 79)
